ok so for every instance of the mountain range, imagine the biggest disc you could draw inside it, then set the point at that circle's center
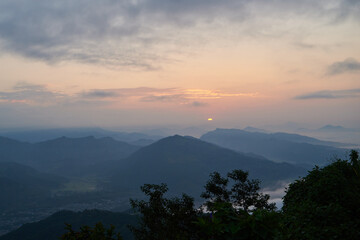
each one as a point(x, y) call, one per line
point(184, 163)
point(279, 147)
point(53, 173)
point(41, 135)
point(66, 156)
point(24, 186)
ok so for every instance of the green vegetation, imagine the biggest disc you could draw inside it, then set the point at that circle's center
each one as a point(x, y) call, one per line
point(325, 204)
point(244, 193)
point(227, 222)
point(240, 212)
point(163, 218)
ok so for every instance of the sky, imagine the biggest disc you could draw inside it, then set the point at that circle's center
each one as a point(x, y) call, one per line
point(179, 62)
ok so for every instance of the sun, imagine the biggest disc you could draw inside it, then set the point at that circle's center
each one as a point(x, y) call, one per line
point(210, 119)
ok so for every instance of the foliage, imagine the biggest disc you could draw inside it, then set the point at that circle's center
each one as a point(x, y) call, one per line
point(325, 203)
point(162, 218)
point(99, 232)
point(216, 190)
point(229, 223)
point(244, 193)
point(176, 218)
point(238, 212)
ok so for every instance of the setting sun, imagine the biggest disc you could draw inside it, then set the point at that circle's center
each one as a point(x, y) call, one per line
point(210, 119)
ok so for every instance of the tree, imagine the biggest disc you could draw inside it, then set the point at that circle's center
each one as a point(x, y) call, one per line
point(216, 190)
point(325, 203)
point(229, 223)
point(99, 232)
point(240, 212)
point(162, 218)
point(354, 159)
point(236, 212)
point(244, 193)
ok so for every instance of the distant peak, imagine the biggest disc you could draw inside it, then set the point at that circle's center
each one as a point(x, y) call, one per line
point(332, 128)
point(253, 129)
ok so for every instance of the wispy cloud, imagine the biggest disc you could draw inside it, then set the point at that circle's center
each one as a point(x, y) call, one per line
point(41, 95)
point(141, 34)
point(31, 94)
point(100, 94)
point(331, 94)
point(192, 96)
point(348, 65)
point(198, 104)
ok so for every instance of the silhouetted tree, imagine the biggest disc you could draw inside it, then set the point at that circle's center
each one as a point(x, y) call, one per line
point(241, 212)
point(162, 218)
point(244, 193)
point(325, 204)
point(216, 190)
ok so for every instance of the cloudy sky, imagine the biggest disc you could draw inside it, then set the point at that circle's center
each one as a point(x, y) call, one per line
point(178, 62)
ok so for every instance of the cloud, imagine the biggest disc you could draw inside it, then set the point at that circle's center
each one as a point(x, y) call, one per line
point(191, 97)
point(100, 94)
point(25, 86)
point(348, 65)
point(304, 45)
point(41, 95)
point(32, 94)
point(198, 104)
point(330, 94)
point(141, 35)
point(164, 98)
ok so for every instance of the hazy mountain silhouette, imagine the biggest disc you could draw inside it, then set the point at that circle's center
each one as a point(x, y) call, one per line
point(41, 135)
point(292, 137)
point(280, 147)
point(13, 150)
point(66, 156)
point(52, 227)
point(24, 186)
point(332, 128)
point(142, 142)
point(184, 163)
point(253, 129)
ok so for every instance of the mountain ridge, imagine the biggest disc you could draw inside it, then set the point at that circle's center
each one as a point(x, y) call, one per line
point(186, 161)
point(276, 147)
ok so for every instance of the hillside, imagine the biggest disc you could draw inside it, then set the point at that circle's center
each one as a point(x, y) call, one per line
point(279, 147)
point(66, 156)
point(52, 227)
point(184, 163)
point(13, 150)
point(24, 186)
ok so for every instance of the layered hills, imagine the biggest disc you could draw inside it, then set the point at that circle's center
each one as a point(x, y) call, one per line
point(66, 156)
point(24, 186)
point(279, 147)
point(41, 135)
point(184, 163)
point(87, 170)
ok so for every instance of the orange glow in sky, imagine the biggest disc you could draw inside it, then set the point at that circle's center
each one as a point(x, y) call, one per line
point(251, 63)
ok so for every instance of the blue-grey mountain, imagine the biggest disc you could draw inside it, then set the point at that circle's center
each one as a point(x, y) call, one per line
point(279, 147)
